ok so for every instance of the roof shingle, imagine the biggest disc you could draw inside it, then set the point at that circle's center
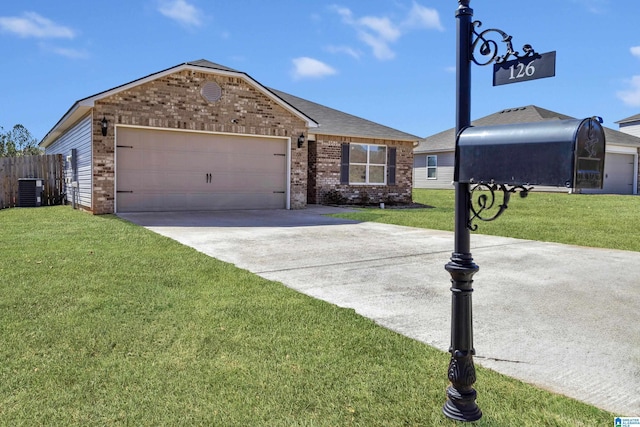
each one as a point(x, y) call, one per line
point(334, 122)
point(634, 118)
point(330, 121)
point(445, 141)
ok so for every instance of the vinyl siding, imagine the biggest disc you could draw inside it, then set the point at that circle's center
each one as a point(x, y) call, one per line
point(631, 128)
point(78, 137)
point(445, 174)
point(620, 168)
point(444, 171)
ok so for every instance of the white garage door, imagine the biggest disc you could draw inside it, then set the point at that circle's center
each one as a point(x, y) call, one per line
point(618, 174)
point(175, 171)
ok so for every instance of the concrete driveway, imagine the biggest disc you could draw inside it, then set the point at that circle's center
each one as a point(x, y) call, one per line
point(565, 318)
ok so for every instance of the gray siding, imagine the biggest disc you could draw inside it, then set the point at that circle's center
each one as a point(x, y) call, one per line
point(444, 174)
point(78, 137)
point(619, 170)
point(631, 128)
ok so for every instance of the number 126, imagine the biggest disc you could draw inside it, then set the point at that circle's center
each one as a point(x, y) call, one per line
point(520, 70)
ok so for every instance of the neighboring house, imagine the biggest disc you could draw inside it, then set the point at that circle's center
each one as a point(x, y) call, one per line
point(434, 157)
point(202, 136)
point(630, 125)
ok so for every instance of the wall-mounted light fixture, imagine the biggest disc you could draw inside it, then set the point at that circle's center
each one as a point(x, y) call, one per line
point(300, 140)
point(104, 123)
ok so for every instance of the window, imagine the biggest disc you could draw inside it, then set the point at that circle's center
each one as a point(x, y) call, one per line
point(367, 164)
point(432, 167)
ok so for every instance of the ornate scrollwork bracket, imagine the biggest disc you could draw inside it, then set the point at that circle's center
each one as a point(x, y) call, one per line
point(488, 48)
point(484, 209)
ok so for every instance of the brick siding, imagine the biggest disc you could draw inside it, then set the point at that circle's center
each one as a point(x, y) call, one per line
point(326, 187)
point(174, 102)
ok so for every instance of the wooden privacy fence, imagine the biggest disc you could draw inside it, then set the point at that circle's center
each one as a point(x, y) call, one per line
point(48, 167)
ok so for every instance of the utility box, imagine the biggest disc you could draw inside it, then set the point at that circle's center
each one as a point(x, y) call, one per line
point(558, 153)
point(30, 192)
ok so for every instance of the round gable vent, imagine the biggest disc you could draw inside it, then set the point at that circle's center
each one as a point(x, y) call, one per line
point(211, 91)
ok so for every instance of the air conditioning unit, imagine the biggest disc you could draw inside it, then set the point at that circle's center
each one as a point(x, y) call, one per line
point(30, 192)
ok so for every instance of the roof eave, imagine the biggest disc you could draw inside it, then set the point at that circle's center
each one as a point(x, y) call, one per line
point(77, 111)
point(319, 131)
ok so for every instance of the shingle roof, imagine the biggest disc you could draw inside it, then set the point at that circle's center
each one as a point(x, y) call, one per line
point(445, 141)
point(334, 122)
point(330, 121)
point(213, 65)
point(635, 118)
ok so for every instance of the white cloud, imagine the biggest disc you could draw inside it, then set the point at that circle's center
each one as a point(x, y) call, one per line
point(346, 14)
point(33, 25)
point(597, 7)
point(423, 17)
point(305, 67)
point(66, 52)
point(380, 32)
point(635, 51)
point(181, 12)
point(383, 28)
point(344, 49)
point(379, 46)
point(631, 96)
point(376, 32)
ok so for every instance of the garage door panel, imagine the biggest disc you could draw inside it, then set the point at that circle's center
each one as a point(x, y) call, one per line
point(199, 160)
point(618, 174)
point(158, 182)
point(256, 181)
point(172, 142)
point(244, 200)
point(137, 158)
point(154, 201)
point(151, 181)
point(163, 170)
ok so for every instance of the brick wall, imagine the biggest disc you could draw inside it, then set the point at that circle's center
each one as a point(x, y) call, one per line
point(326, 151)
point(311, 172)
point(174, 102)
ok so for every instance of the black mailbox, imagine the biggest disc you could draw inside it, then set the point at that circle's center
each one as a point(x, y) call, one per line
point(559, 153)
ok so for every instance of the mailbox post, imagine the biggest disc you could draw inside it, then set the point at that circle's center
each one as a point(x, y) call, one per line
point(461, 396)
point(507, 158)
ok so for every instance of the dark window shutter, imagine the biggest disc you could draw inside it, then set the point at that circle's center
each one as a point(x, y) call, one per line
point(391, 166)
point(344, 164)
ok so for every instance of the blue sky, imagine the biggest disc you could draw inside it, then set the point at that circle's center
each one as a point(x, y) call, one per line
point(388, 61)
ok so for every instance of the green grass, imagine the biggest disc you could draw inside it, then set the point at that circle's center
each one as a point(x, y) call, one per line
point(105, 323)
point(604, 221)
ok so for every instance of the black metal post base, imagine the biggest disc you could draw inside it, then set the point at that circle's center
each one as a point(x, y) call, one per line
point(461, 397)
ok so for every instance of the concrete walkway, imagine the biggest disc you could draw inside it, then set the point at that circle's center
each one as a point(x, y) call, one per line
point(564, 318)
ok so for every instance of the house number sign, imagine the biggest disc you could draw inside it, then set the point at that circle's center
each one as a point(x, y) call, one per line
point(533, 67)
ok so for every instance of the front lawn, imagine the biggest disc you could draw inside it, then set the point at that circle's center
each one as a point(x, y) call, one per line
point(603, 221)
point(105, 323)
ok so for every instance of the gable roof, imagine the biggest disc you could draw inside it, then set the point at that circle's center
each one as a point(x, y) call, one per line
point(334, 122)
point(635, 118)
point(81, 107)
point(445, 141)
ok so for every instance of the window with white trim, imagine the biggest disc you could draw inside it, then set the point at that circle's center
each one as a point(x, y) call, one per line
point(367, 164)
point(432, 167)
